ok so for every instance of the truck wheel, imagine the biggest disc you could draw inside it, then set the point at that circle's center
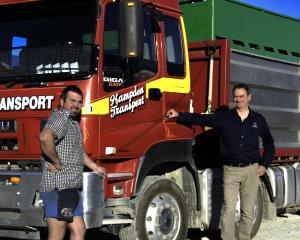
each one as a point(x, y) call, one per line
point(161, 212)
point(258, 213)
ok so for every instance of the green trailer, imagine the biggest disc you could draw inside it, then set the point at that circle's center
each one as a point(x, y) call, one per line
point(250, 29)
point(264, 53)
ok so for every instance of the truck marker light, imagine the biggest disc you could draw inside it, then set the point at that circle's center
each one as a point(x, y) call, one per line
point(118, 189)
point(110, 150)
point(132, 54)
point(15, 180)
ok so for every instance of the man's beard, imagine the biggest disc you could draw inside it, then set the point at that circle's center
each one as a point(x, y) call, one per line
point(76, 116)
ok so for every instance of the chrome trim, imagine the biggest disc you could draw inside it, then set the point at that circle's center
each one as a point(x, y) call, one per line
point(117, 221)
point(119, 175)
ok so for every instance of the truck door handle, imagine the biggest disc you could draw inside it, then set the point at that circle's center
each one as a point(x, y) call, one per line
point(154, 94)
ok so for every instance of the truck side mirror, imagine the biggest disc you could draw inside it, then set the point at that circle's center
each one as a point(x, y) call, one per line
point(131, 28)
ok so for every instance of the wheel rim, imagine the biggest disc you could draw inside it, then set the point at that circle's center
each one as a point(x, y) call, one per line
point(238, 212)
point(163, 218)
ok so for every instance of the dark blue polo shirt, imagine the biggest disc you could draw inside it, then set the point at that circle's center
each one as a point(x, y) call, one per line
point(239, 140)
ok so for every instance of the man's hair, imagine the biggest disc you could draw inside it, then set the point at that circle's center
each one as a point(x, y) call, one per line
point(71, 88)
point(241, 86)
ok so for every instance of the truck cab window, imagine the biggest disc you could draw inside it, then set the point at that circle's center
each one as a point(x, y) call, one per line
point(174, 45)
point(120, 73)
point(17, 44)
point(46, 38)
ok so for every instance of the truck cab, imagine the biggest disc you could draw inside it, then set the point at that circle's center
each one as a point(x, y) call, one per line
point(130, 59)
point(134, 60)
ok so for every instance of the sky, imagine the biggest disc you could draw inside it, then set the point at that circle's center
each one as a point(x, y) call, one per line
point(286, 7)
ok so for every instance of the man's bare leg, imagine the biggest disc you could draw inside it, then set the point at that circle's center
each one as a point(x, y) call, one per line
point(56, 229)
point(77, 228)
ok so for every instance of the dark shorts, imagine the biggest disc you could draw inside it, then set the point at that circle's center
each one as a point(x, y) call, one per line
point(50, 201)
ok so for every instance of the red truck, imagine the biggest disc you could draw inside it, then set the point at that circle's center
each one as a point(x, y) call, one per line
point(134, 60)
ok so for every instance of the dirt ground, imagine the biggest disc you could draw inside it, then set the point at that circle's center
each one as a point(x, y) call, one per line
point(285, 227)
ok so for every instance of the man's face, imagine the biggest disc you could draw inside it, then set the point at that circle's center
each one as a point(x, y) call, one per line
point(73, 103)
point(240, 98)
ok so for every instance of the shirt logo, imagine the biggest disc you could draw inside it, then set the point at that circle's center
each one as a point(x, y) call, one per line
point(254, 125)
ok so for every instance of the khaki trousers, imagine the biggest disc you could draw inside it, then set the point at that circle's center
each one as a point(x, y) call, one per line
point(243, 182)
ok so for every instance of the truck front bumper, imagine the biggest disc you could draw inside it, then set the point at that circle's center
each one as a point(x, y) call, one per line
point(20, 205)
point(22, 208)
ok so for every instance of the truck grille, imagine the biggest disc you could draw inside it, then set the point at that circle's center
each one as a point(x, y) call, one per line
point(8, 144)
point(8, 126)
point(8, 135)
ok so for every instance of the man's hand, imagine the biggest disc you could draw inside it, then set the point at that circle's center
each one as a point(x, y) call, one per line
point(172, 114)
point(47, 139)
point(261, 170)
point(100, 170)
point(93, 166)
point(54, 167)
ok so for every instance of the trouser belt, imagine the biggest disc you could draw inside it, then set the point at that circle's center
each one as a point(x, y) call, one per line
point(238, 164)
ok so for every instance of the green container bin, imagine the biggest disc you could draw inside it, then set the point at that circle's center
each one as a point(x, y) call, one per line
point(250, 29)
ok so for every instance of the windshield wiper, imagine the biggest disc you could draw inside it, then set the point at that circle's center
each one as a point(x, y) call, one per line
point(35, 84)
point(26, 83)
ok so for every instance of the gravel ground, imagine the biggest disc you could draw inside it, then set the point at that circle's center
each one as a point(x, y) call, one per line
point(286, 227)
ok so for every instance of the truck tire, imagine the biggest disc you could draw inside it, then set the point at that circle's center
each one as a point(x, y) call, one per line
point(258, 213)
point(161, 212)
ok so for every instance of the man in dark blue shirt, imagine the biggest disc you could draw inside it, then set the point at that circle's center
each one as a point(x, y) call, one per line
point(239, 129)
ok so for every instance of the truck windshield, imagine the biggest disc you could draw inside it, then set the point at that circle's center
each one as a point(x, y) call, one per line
point(47, 40)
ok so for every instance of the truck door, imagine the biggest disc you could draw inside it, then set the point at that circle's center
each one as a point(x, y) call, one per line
point(175, 83)
point(131, 120)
